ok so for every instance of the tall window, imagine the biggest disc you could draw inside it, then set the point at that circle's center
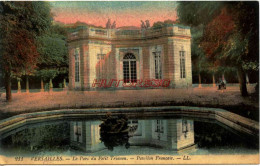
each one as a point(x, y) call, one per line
point(159, 130)
point(185, 129)
point(129, 68)
point(182, 64)
point(78, 131)
point(159, 126)
point(100, 67)
point(77, 65)
point(157, 65)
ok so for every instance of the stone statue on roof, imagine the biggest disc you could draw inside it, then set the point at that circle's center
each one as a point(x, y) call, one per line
point(113, 25)
point(108, 25)
point(143, 25)
point(147, 23)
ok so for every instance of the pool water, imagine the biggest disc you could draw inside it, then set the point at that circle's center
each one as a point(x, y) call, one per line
point(120, 135)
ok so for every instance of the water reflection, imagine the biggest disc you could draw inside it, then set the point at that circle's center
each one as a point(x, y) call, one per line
point(131, 136)
point(38, 137)
point(171, 134)
point(114, 131)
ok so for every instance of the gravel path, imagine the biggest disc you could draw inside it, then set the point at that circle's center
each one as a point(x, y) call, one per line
point(207, 96)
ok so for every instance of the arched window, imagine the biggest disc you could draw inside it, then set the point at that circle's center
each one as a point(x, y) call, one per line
point(129, 68)
point(77, 65)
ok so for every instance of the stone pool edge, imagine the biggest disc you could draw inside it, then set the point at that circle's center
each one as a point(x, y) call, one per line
point(230, 119)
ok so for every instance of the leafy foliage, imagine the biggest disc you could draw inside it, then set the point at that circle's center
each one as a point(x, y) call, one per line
point(160, 24)
point(21, 23)
point(197, 13)
point(199, 60)
point(44, 137)
point(216, 33)
point(53, 51)
point(230, 33)
point(227, 25)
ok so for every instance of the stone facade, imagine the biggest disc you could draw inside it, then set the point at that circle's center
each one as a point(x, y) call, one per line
point(97, 54)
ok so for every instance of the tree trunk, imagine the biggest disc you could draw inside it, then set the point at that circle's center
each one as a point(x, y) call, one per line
point(223, 76)
point(42, 85)
point(18, 85)
point(64, 83)
point(242, 81)
point(213, 80)
point(50, 85)
point(8, 86)
point(247, 79)
point(27, 84)
point(199, 81)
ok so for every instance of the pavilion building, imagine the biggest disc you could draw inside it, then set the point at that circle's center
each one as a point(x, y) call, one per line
point(123, 57)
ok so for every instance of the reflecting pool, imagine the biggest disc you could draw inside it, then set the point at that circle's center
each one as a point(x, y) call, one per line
point(120, 135)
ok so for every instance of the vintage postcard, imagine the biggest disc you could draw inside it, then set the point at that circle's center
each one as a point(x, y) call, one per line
point(129, 82)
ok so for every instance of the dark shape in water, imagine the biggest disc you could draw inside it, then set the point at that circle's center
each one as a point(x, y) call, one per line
point(114, 131)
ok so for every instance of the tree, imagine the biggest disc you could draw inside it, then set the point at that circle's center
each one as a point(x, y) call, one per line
point(160, 24)
point(228, 29)
point(197, 13)
point(199, 59)
point(53, 58)
point(47, 74)
point(214, 37)
point(232, 38)
point(192, 14)
point(21, 22)
point(245, 40)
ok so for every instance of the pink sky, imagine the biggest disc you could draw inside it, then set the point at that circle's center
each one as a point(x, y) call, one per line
point(124, 13)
